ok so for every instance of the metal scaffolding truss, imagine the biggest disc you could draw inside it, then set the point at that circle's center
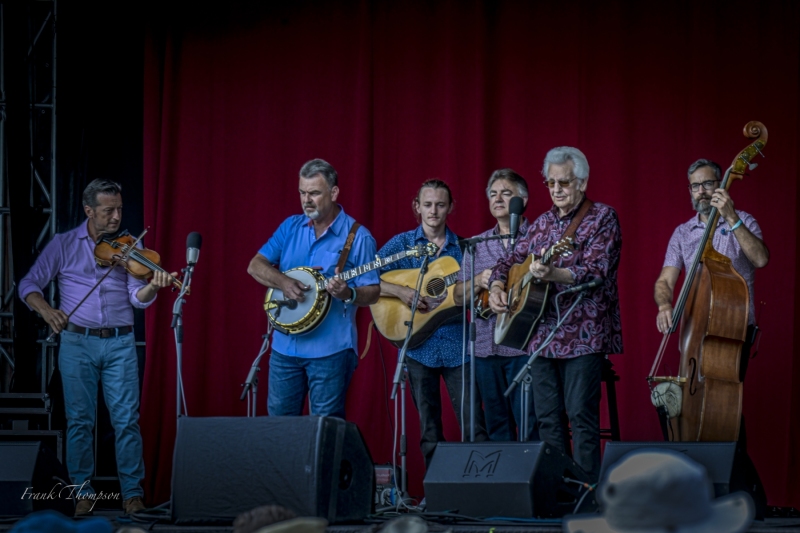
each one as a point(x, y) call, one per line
point(41, 65)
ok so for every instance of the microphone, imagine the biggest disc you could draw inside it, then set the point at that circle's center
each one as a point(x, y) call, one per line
point(291, 304)
point(596, 282)
point(515, 208)
point(277, 305)
point(193, 243)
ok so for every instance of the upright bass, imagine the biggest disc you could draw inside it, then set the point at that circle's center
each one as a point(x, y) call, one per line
point(704, 400)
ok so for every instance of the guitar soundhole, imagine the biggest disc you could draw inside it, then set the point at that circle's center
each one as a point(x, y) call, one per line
point(436, 287)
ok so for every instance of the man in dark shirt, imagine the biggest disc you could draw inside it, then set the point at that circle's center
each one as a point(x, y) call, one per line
point(567, 373)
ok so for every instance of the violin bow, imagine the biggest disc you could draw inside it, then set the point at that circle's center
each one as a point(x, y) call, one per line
point(123, 257)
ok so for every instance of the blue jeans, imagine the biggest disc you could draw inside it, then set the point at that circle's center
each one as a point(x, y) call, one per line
point(83, 361)
point(493, 375)
point(572, 385)
point(324, 379)
point(427, 395)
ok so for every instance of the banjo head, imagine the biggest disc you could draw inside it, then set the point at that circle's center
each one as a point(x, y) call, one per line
point(308, 314)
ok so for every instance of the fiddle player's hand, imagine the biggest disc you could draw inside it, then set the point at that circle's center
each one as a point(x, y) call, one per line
point(55, 318)
point(338, 288)
point(724, 204)
point(162, 279)
point(482, 280)
point(293, 289)
point(664, 319)
point(498, 300)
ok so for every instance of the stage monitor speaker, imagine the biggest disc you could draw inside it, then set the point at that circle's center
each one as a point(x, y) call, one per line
point(512, 479)
point(716, 457)
point(315, 466)
point(32, 479)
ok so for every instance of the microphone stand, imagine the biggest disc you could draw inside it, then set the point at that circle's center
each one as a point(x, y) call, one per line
point(251, 382)
point(400, 379)
point(177, 325)
point(469, 326)
point(524, 376)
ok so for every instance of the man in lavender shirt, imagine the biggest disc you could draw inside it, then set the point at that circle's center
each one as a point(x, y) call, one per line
point(738, 237)
point(496, 366)
point(567, 373)
point(97, 342)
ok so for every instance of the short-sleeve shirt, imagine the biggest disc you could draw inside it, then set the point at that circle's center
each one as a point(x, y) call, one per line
point(686, 239)
point(295, 244)
point(444, 348)
point(487, 255)
point(595, 325)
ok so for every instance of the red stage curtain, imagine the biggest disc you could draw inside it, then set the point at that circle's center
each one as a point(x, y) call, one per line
point(237, 98)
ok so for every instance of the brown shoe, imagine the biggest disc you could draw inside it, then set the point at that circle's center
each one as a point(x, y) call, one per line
point(84, 507)
point(133, 505)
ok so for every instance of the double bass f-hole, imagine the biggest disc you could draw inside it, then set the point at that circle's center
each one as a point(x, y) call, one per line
point(693, 364)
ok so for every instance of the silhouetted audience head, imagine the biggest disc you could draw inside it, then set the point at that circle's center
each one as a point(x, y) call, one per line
point(277, 519)
point(259, 517)
point(53, 522)
point(659, 491)
point(405, 524)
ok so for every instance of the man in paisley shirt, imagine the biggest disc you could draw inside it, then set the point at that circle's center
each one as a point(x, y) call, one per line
point(495, 365)
point(440, 356)
point(567, 373)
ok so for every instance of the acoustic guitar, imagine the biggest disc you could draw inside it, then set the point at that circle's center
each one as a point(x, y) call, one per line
point(527, 299)
point(391, 314)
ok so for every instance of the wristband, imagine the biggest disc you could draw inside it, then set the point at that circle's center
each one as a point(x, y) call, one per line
point(352, 296)
point(725, 232)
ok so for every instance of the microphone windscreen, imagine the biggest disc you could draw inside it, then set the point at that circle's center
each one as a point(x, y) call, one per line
point(516, 206)
point(194, 240)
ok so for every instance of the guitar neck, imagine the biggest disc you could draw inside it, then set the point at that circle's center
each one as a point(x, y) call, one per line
point(545, 260)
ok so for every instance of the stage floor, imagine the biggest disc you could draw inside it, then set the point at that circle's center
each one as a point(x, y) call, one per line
point(435, 525)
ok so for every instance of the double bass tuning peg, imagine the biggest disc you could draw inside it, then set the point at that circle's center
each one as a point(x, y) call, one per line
point(752, 166)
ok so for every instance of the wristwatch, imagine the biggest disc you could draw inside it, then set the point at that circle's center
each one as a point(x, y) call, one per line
point(352, 296)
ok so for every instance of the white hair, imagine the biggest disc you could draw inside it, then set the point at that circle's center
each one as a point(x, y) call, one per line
point(562, 154)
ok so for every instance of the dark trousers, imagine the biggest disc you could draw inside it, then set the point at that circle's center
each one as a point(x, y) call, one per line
point(426, 393)
point(493, 375)
point(571, 385)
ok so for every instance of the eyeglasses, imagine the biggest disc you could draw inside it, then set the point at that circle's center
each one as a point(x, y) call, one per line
point(564, 183)
point(707, 185)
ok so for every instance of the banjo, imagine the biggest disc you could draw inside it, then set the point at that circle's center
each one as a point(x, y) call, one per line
point(295, 318)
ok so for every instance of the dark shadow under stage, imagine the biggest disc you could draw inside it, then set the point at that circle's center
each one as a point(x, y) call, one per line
point(435, 524)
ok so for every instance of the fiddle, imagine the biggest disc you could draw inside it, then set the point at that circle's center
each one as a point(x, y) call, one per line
point(139, 262)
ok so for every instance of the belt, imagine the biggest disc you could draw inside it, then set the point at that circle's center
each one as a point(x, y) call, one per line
point(103, 333)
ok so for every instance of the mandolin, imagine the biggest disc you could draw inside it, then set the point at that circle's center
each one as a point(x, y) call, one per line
point(527, 299)
point(391, 314)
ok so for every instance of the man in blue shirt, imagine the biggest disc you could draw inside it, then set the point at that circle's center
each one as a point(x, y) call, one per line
point(440, 356)
point(320, 362)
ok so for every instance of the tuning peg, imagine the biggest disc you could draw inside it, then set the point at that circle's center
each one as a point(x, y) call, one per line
point(752, 166)
point(760, 152)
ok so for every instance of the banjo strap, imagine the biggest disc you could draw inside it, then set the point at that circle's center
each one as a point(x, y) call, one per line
point(345, 253)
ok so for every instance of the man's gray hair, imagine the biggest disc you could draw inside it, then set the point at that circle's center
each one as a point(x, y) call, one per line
point(700, 163)
point(323, 168)
point(510, 176)
point(562, 154)
point(99, 186)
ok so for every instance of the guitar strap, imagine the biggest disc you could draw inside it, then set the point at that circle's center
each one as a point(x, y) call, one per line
point(347, 245)
point(578, 218)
